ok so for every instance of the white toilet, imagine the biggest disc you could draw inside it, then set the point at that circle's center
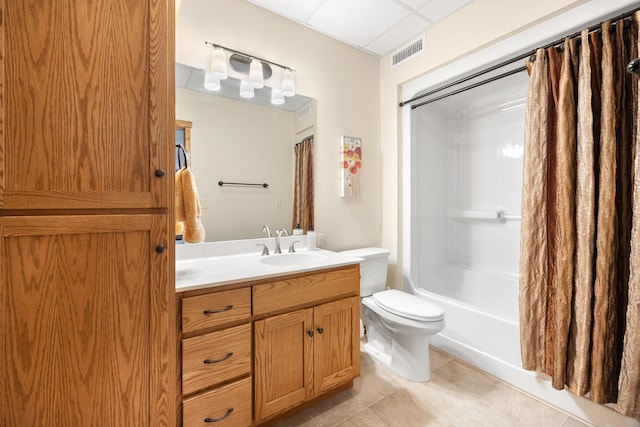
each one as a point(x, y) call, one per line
point(398, 324)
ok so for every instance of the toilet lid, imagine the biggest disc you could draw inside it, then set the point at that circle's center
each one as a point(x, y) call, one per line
point(409, 306)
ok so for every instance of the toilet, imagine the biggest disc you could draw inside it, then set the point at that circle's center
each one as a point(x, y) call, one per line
point(398, 325)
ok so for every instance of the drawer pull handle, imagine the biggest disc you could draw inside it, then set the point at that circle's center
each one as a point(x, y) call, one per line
point(215, 420)
point(310, 333)
point(222, 310)
point(320, 330)
point(219, 360)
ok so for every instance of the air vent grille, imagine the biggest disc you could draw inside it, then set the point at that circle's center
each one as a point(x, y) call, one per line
point(405, 53)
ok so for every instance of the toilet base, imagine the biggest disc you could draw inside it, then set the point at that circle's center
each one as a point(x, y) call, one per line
point(408, 356)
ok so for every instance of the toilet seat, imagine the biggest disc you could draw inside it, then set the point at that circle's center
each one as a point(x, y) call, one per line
point(409, 306)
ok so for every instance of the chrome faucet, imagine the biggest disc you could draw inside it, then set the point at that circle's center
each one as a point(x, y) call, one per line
point(279, 233)
point(268, 230)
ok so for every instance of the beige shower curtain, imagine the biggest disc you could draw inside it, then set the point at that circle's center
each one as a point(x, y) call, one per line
point(303, 185)
point(580, 261)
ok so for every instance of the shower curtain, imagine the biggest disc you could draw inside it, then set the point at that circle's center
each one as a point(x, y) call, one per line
point(580, 236)
point(303, 185)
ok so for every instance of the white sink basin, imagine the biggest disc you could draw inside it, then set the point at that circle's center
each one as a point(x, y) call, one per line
point(294, 259)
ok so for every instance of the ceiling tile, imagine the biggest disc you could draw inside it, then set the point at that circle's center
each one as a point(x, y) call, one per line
point(400, 34)
point(356, 21)
point(299, 10)
point(436, 10)
point(414, 4)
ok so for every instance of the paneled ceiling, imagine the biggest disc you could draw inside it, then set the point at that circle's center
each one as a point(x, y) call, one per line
point(375, 26)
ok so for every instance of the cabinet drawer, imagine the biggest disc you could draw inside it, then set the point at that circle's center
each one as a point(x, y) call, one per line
point(206, 311)
point(229, 404)
point(212, 358)
point(305, 290)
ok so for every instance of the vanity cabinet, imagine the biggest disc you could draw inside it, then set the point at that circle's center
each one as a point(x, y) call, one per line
point(216, 358)
point(86, 267)
point(276, 345)
point(303, 353)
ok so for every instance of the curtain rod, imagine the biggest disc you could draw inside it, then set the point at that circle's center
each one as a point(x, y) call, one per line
point(593, 28)
point(473, 86)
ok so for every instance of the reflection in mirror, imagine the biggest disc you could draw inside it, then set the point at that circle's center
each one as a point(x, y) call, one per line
point(233, 140)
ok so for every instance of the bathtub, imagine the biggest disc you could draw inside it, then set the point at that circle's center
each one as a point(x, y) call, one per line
point(481, 313)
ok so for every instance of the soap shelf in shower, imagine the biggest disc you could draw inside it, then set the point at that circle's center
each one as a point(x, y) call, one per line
point(483, 215)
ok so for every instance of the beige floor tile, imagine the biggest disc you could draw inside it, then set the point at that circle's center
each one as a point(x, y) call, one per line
point(483, 416)
point(336, 409)
point(458, 378)
point(299, 420)
point(572, 422)
point(438, 358)
point(375, 382)
point(364, 418)
point(521, 408)
point(403, 409)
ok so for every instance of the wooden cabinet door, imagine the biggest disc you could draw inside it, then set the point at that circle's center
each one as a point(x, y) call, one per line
point(87, 104)
point(84, 313)
point(283, 362)
point(336, 343)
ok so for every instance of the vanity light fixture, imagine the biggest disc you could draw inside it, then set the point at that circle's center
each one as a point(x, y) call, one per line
point(257, 72)
point(277, 98)
point(246, 90)
point(219, 63)
point(211, 82)
point(256, 78)
point(288, 83)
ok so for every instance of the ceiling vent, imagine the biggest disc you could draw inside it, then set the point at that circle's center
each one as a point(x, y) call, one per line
point(408, 52)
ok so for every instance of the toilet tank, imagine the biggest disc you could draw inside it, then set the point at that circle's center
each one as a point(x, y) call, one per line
point(373, 270)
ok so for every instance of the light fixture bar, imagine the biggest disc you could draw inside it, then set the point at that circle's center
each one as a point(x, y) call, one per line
point(214, 45)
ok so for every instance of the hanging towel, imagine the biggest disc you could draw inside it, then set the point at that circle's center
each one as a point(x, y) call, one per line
point(188, 210)
point(179, 202)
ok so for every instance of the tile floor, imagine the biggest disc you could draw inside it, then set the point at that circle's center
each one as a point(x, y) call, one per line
point(457, 395)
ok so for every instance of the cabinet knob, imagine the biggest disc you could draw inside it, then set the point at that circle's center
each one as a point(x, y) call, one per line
point(310, 333)
point(160, 248)
point(160, 173)
point(320, 330)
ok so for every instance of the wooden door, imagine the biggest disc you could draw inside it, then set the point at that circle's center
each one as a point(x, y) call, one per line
point(283, 362)
point(86, 90)
point(84, 315)
point(336, 343)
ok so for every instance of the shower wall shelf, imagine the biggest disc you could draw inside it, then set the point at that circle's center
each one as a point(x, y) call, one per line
point(483, 214)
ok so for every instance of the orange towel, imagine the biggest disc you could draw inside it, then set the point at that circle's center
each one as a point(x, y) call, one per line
point(193, 229)
point(179, 202)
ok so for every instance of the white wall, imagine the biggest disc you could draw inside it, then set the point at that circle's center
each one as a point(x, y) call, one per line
point(224, 147)
point(344, 82)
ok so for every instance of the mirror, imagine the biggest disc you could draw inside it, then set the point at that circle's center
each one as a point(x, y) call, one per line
point(238, 141)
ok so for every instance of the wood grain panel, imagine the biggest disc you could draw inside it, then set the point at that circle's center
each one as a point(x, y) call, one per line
point(76, 333)
point(84, 92)
point(215, 309)
point(283, 362)
point(336, 343)
point(305, 290)
point(215, 404)
point(215, 346)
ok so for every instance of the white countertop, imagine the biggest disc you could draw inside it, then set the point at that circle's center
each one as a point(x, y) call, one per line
point(204, 272)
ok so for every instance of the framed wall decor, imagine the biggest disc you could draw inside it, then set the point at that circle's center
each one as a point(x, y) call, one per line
point(351, 163)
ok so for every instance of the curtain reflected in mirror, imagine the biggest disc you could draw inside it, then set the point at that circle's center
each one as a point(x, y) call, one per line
point(303, 185)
